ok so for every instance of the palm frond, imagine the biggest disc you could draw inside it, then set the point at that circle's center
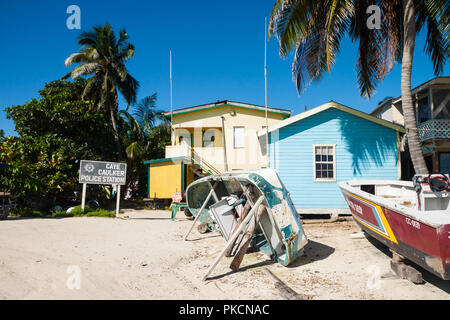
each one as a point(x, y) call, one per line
point(435, 15)
point(289, 22)
point(128, 88)
point(84, 69)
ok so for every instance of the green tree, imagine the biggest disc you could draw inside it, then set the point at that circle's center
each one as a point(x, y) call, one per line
point(104, 56)
point(315, 28)
point(145, 135)
point(55, 132)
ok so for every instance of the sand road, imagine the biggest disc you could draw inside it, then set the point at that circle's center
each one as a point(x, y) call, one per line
point(145, 257)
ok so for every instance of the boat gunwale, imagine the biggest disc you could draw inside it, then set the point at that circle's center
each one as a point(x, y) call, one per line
point(349, 186)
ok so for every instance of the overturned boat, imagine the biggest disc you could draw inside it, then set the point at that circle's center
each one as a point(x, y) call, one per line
point(412, 218)
point(221, 202)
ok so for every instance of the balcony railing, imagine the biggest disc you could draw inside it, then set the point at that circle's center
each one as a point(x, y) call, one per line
point(209, 158)
point(178, 151)
point(434, 129)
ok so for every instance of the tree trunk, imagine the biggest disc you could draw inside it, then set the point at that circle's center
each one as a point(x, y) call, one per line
point(409, 34)
point(116, 133)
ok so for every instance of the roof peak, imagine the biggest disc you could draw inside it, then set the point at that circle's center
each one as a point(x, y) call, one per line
point(231, 103)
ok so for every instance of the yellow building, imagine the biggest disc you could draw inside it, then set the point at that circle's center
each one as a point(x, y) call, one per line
point(211, 139)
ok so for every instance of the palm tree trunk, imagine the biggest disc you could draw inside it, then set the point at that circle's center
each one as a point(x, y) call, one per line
point(116, 133)
point(409, 34)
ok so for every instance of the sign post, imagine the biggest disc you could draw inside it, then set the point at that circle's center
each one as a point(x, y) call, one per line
point(101, 172)
point(83, 197)
point(118, 201)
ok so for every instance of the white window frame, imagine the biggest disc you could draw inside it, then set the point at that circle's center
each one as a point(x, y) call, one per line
point(334, 163)
point(243, 137)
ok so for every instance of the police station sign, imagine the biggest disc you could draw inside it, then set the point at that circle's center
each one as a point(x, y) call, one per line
point(100, 172)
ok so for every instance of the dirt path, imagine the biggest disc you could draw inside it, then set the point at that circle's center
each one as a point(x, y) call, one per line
point(145, 257)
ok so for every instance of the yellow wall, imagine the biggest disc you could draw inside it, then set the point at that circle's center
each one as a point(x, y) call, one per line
point(250, 157)
point(165, 179)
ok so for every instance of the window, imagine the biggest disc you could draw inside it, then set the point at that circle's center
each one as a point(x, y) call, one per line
point(444, 162)
point(424, 110)
point(184, 139)
point(208, 138)
point(441, 102)
point(239, 137)
point(324, 163)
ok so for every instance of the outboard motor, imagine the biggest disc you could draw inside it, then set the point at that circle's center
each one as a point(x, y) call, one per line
point(433, 191)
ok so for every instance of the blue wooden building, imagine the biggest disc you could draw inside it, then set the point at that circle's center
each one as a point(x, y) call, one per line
point(314, 150)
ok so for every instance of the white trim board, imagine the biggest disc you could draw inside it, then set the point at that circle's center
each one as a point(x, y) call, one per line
point(327, 106)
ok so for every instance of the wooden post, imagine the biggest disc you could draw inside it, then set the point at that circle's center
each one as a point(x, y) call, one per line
point(118, 201)
point(247, 207)
point(286, 292)
point(83, 197)
point(234, 236)
point(200, 211)
point(246, 241)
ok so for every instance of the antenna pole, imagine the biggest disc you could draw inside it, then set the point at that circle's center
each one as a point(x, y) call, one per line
point(265, 91)
point(171, 100)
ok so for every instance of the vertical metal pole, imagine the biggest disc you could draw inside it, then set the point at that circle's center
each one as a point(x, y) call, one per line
point(234, 236)
point(171, 102)
point(225, 160)
point(265, 91)
point(83, 197)
point(118, 200)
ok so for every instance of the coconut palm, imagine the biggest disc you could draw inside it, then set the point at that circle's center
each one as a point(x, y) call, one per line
point(144, 135)
point(313, 29)
point(103, 56)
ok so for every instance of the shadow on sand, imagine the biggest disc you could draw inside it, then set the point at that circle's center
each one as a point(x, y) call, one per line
point(427, 276)
point(252, 266)
point(313, 251)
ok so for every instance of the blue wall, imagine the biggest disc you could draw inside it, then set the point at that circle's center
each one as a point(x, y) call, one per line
point(364, 150)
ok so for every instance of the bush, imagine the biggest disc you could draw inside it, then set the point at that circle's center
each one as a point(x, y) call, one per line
point(88, 212)
point(76, 212)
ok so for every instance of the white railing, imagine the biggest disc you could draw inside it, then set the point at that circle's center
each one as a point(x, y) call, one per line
point(178, 151)
point(210, 158)
point(434, 129)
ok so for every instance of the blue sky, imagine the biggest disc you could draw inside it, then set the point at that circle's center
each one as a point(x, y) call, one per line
point(218, 54)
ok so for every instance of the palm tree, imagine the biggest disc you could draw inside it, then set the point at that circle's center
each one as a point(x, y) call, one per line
point(138, 128)
point(314, 28)
point(104, 56)
point(144, 135)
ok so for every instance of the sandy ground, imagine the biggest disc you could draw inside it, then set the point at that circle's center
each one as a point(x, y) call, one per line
point(145, 257)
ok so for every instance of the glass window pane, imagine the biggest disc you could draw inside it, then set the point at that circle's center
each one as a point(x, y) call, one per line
point(324, 174)
point(238, 137)
point(318, 174)
point(444, 162)
point(330, 174)
point(330, 167)
point(318, 157)
point(318, 150)
point(441, 102)
point(330, 158)
point(324, 158)
point(317, 166)
point(324, 167)
point(424, 109)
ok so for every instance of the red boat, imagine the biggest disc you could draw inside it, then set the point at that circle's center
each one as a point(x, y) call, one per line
point(412, 218)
